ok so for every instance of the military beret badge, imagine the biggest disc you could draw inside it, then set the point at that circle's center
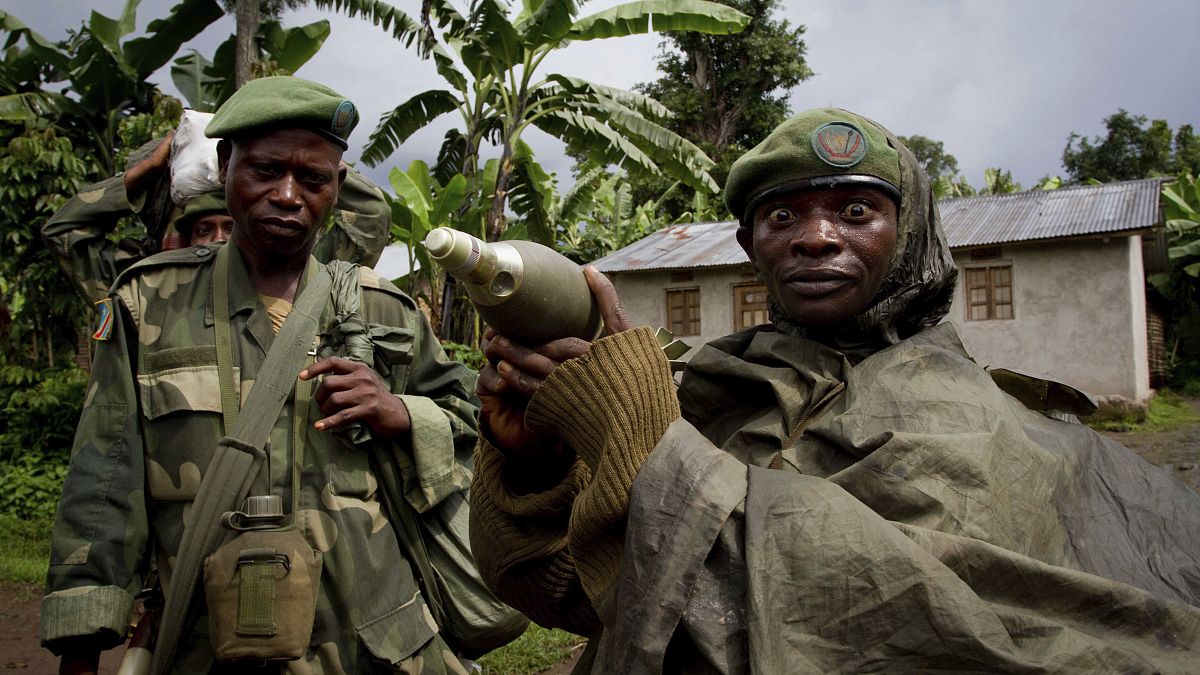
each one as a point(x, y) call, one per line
point(344, 118)
point(839, 144)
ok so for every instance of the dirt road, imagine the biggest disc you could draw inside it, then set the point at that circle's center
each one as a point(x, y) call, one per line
point(1177, 451)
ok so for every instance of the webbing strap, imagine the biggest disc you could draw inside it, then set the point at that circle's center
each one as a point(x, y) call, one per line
point(231, 470)
point(229, 400)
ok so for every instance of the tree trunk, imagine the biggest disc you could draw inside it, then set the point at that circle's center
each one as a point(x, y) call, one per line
point(246, 55)
point(495, 217)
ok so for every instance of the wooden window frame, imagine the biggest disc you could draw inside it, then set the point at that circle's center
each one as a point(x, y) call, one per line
point(737, 310)
point(992, 287)
point(687, 318)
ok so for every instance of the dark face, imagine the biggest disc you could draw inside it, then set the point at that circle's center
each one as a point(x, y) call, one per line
point(280, 188)
point(823, 252)
point(211, 227)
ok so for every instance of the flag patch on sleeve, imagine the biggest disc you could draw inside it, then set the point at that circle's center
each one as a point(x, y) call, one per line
point(104, 331)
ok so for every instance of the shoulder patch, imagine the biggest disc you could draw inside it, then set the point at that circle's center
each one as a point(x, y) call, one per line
point(104, 330)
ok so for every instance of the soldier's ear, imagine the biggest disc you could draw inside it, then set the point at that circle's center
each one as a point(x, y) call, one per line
point(342, 171)
point(224, 152)
point(745, 237)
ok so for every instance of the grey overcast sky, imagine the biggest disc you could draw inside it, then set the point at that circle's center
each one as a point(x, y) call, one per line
point(1000, 83)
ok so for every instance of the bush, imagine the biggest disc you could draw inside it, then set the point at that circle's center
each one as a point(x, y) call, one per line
point(472, 357)
point(40, 411)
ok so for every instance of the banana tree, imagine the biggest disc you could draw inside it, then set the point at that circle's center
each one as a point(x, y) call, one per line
point(206, 84)
point(85, 85)
point(492, 58)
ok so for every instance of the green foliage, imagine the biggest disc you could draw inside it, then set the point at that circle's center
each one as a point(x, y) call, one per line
point(1130, 150)
point(725, 93)
point(24, 548)
point(536, 650)
point(932, 156)
point(492, 85)
point(471, 356)
point(85, 85)
point(207, 83)
point(1168, 410)
point(141, 128)
point(1180, 286)
point(998, 182)
point(608, 221)
point(422, 203)
point(39, 170)
point(40, 411)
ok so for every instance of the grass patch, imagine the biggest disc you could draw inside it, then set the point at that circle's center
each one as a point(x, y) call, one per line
point(536, 650)
point(1167, 411)
point(25, 553)
point(24, 549)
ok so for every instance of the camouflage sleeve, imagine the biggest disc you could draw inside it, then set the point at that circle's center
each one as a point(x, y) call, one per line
point(441, 402)
point(361, 225)
point(100, 531)
point(77, 236)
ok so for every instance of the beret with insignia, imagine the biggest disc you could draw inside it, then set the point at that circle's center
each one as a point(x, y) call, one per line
point(271, 103)
point(822, 146)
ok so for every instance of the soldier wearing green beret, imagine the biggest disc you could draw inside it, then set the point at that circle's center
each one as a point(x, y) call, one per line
point(154, 412)
point(78, 233)
point(840, 490)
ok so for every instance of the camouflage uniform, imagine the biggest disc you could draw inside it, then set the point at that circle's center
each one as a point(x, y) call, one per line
point(77, 234)
point(151, 416)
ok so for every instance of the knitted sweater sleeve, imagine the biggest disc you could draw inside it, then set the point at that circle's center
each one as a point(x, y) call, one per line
point(554, 553)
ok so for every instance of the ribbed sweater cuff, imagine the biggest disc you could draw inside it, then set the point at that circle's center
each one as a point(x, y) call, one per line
point(520, 543)
point(618, 394)
point(612, 405)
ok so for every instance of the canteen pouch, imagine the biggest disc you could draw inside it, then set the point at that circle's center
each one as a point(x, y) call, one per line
point(261, 588)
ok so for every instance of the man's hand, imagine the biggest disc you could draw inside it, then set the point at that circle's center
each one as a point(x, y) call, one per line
point(352, 392)
point(514, 371)
point(139, 177)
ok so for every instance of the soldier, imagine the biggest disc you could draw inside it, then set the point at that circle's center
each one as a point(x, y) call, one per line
point(843, 490)
point(153, 412)
point(77, 234)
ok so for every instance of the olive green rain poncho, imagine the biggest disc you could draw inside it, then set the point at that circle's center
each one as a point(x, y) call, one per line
point(856, 499)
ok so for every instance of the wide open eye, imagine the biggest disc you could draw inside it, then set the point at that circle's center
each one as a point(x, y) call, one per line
point(856, 211)
point(780, 215)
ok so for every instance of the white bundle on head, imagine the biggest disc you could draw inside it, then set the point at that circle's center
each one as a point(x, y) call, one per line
point(193, 158)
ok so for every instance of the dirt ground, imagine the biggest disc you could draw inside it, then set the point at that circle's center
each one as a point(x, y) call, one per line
point(1177, 451)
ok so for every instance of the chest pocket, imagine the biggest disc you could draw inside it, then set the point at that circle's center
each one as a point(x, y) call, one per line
point(180, 394)
point(182, 379)
point(183, 389)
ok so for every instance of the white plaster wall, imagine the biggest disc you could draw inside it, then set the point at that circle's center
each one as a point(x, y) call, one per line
point(1079, 316)
point(643, 295)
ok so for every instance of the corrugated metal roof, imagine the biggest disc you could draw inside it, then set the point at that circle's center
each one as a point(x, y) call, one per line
point(679, 246)
point(1034, 215)
point(969, 221)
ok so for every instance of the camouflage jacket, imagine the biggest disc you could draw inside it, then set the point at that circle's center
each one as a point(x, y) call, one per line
point(78, 234)
point(151, 416)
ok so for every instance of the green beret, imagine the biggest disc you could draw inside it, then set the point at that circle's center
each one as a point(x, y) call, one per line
point(281, 102)
point(826, 144)
point(200, 205)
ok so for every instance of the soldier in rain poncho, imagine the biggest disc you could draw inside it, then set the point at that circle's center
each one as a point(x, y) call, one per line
point(842, 490)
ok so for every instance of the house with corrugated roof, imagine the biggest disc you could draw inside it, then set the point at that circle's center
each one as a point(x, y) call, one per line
point(1051, 283)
